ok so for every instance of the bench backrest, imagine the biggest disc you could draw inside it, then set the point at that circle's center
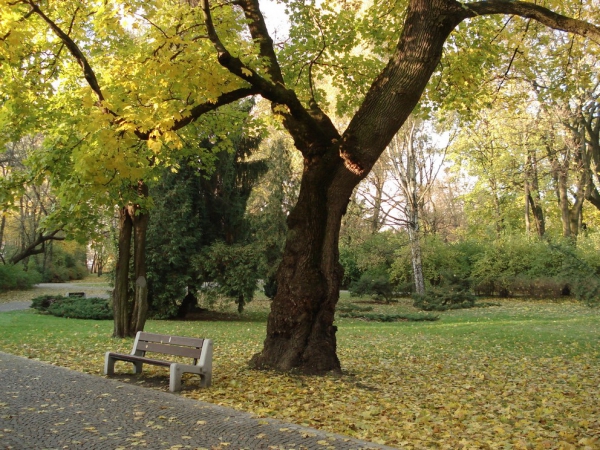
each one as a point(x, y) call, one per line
point(167, 345)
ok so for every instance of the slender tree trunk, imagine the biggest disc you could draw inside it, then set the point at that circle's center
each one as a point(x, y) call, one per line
point(2, 226)
point(130, 317)
point(140, 304)
point(121, 301)
point(563, 201)
point(417, 263)
point(413, 213)
point(527, 220)
point(533, 201)
point(375, 224)
point(100, 265)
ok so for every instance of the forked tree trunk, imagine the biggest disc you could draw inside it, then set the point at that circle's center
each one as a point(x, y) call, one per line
point(130, 316)
point(140, 303)
point(300, 330)
point(121, 291)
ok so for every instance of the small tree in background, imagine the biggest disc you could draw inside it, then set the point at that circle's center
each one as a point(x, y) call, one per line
point(232, 271)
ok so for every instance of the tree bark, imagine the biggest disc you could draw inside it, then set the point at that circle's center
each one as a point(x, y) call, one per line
point(139, 220)
point(532, 197)
point(121, 300)
point(130, 313)
point(300, 330)
point(412, 192)
point(36, 247)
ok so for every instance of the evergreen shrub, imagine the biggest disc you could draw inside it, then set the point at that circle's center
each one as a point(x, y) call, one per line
point(375, 283)
point(440, 299)
point(43, 302)
point(92, 308)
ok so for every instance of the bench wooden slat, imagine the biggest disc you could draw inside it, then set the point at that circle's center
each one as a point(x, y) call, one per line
point(165, 349)
point(156, 362)
point(173, 340)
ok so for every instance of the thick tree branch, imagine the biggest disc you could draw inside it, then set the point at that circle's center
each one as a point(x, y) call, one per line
point(260, 34)
point(397, 90)
point(311, 129)
point(535, 12)
point(32, 249)
point(199, 110)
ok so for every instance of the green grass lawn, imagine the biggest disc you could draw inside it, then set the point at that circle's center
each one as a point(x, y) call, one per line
point(525, 374)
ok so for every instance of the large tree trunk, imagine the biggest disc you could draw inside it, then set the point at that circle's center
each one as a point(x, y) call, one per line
point(300, 330)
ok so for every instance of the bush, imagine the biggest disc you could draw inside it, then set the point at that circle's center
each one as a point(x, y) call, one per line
point(93, 308)
point(376, 284)
point(43, 302)
point(14, 277)
point(443, 300)
point(444, 264)
point(580, 271)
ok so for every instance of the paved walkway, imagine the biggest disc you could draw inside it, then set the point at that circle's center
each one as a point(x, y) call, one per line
point(48, 407)
point(14, 306)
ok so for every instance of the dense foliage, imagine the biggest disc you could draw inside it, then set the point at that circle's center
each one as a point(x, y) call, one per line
point(195, 211)
point(14, 277)
point(62, 263)
point(93, 308)
point(454, 271)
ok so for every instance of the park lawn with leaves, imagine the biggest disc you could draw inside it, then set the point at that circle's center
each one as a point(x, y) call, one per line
point(524, 374)
point(93, 286)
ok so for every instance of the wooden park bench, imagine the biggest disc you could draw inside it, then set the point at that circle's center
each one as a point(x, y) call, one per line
point(200, 350)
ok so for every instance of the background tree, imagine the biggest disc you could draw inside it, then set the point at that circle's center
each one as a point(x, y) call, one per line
point(194, 209)
point(270, 203)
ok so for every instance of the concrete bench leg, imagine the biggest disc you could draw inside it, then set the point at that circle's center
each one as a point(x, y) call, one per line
point(175, 378)
point(109, 364)
point(206, 380)
point(137, 367)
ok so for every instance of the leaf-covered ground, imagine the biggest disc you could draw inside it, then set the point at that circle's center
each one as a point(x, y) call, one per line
point(520, 375)
point(92, 286)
